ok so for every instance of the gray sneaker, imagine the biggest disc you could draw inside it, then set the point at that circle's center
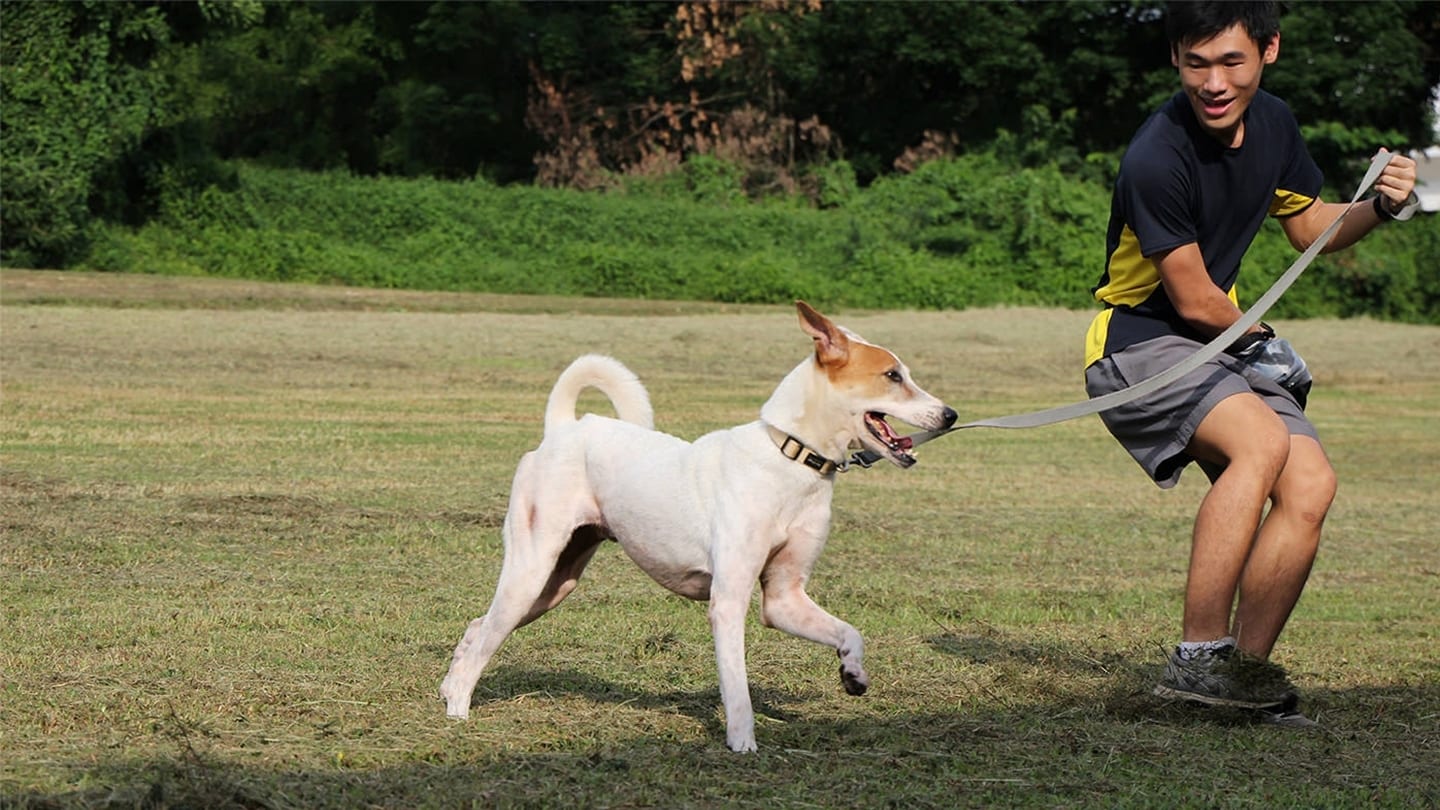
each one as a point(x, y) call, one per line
point(1286, 715)
point(1226, 677)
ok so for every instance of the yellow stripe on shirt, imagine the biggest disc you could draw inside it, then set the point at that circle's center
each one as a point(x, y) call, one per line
point(1289, 203)
point(1132, 279)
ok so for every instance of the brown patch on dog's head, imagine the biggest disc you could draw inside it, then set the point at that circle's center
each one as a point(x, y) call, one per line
point(870, 383)
point(870, 371)
point(847, 359)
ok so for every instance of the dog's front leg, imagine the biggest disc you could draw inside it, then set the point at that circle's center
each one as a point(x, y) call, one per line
point(729, 601)
point(790, 609)
point(785, 606)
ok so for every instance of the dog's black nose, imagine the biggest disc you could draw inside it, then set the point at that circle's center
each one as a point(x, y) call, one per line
point(949, 416)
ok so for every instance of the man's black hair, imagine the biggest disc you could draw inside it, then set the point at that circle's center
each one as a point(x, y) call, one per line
point(1190, 21)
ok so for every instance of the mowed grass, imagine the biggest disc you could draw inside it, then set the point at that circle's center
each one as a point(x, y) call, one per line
point(244, 526)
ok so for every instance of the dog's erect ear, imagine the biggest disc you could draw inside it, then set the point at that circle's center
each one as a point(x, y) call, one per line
point(831, 345)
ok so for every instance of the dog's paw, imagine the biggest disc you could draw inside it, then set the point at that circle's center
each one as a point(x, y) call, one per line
point(740, 732)
point(855, 682)
point(743, 746)
point(456, 706)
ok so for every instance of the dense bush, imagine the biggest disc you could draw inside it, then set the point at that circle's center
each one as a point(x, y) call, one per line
point(75, 96)
point(741, 152)
point(970, 231)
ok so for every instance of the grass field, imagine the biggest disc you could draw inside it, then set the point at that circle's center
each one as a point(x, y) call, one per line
point(244, 525)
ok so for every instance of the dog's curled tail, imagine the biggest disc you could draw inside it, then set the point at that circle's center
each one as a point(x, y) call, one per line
point(612, 378)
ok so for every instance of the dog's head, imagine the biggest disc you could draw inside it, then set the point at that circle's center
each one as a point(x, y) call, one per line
point(866, 384)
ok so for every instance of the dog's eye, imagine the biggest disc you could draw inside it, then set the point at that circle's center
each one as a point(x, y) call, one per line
point(894, 376)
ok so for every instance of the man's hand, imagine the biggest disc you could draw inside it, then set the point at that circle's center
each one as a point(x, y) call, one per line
point(1396, 183)
point(1274, 358)
point(1395, 189)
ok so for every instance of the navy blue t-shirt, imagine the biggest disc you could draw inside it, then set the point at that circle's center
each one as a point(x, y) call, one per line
point(1178, 185)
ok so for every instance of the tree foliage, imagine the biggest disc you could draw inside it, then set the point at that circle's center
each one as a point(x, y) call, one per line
point(76, 97)
point(107, 108)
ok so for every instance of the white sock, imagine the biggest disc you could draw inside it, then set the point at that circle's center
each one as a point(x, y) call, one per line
point(1190, 649)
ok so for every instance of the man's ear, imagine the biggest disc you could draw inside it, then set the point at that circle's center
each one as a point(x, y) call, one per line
point(831, 345)
point(1272, 50)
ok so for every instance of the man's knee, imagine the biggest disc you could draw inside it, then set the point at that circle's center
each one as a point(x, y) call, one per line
point(1268, 443)
point(1308, 485)
point(1243, 431)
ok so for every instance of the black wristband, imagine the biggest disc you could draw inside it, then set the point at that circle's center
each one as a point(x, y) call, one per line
point(1381, 211)
point(1247, 342)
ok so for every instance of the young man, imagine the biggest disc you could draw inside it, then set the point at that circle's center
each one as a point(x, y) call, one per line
point(1195, 185)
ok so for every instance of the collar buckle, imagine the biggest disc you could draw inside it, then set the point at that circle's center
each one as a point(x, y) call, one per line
point(795, 450)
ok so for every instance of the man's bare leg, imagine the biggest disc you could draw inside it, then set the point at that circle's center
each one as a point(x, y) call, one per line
point(1284, 548)
point(1251, 442)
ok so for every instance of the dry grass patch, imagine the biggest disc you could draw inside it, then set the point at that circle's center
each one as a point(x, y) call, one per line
point(241, 536)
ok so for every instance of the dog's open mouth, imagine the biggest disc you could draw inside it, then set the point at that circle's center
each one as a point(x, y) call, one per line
point(897, 447)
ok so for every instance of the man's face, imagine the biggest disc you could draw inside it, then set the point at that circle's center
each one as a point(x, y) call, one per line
point(1220, 77)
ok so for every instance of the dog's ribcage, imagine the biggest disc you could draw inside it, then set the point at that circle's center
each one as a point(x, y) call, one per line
point(686, 496)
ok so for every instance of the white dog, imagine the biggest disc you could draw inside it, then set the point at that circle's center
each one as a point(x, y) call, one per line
point(706, 520)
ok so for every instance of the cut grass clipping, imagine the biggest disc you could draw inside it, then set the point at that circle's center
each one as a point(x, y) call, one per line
point(244, 526)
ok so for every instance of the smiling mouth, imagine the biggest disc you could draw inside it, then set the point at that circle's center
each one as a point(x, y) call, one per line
point(897, 445)
point(1216, 107)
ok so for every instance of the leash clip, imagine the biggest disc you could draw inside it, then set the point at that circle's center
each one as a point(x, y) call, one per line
point(864, 459)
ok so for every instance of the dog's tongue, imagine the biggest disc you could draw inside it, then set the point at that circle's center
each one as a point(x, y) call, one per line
point(895, 440)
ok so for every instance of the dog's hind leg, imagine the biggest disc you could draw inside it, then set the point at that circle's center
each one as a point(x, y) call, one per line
point(535, 576)
point(520, 598)
point(785, 606)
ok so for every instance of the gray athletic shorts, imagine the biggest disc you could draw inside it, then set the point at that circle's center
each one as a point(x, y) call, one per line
point(1156, 428)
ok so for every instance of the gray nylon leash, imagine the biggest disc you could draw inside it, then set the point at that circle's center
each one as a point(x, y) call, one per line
point(1202, 356)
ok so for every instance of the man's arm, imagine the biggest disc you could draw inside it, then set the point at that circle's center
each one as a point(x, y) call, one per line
point(1394, 187)
point(1203, 305)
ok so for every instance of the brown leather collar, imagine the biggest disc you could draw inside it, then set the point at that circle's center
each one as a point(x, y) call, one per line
point(796, 450)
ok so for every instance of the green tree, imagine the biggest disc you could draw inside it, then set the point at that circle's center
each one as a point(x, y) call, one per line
point(76, 93)
point(1358, 76)
point(297, 88)
point(107, 107)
